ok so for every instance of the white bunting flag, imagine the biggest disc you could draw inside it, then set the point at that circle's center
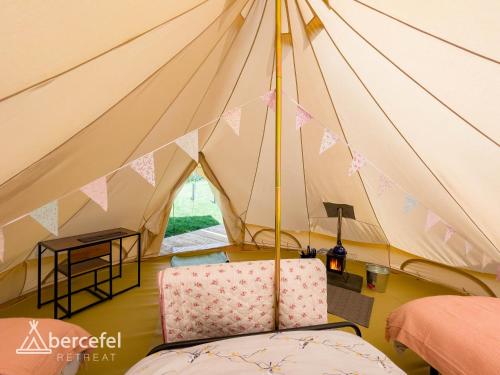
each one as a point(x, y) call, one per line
point(2, 245)
point(449, 232)
point(432, 219)
point(269, 99)
point(329, 140)
point(145, 166)
point(410, 204)
point(485, 260)
point(384, 184)
point(48, 217)
point(302, 117)
point(189, 144)
point(97, 191)
point(467, 247)
point(358, 162)
point(233, 119)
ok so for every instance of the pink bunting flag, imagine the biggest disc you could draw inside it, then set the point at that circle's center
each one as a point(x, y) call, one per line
point(432, 219)
point(48, 217)
point(269, 99)
point(302, 117)
point(358, 162)
point(449, 232)
point(189, 144)
point(2, 245)
point(97, 191)
point(329, 140)
point(467, 247)
point(384, 184)
point(145, 166)
point(233, 119)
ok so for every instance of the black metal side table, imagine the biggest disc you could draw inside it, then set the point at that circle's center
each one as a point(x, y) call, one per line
point(84, 254)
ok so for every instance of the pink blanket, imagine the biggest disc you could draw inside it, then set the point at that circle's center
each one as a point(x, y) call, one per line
point(454, 334)
point(25, 348)
point(226, 299)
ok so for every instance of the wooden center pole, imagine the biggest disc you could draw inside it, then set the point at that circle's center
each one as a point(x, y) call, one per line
point(277, 197)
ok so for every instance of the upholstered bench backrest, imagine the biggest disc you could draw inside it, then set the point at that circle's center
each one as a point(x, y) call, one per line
point(227, 299)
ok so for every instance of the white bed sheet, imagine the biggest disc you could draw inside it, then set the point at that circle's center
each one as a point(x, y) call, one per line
point(296, 352)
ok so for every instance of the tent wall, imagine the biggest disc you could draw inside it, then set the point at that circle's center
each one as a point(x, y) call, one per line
point(414, 88)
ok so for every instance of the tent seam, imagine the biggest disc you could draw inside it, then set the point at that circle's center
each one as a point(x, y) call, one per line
point(428, 33)
point(340, 123)
point(416, 82)
point(406, 141)
point(119, 45)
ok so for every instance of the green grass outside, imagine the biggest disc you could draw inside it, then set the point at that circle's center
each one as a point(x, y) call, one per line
point(188, 215)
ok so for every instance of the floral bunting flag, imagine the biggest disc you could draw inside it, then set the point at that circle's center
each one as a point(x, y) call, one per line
point(467, 247)
point(97, 191)
point(329, 140)
point(432, 219)
point(48, 217)
point(358, 162)
point(410, 204)
point(189, 144)
point(449, 232)
point(145, 166)
point(233, 119)
point(384, 184)
point(2, 245)
point(269, 99)
point(302, 117)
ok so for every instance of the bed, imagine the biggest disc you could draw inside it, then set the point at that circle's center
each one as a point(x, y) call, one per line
point(287, 352)
point(454, 334)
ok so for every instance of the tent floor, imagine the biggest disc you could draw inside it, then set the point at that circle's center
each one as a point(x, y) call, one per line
point(136, 315)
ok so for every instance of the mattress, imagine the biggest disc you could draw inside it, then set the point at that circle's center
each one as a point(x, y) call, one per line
point(454, 334)
point(291, 353)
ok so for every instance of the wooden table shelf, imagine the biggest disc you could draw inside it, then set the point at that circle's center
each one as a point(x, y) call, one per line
point(86, 253)
point(83, 267)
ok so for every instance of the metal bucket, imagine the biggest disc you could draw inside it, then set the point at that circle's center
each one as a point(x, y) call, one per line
point(377, 277)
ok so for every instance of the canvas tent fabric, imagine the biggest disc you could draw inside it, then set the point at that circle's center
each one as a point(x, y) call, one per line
point(87, 87)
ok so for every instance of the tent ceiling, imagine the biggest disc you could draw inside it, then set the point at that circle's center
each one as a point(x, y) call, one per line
point(414, 87)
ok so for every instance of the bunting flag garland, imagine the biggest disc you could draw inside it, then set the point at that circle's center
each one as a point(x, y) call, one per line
point(302, 117)
point(233, 119)
point(467, 247)
point(432, 219)
point(384, 184)
point(2, 245)
point(358, 162)
point(145, 166)
point(449, 232)
point(97, 191)
point(329, 140)
point(269, 99)
point(410, 204)
point(189, 144)
point(48, 217)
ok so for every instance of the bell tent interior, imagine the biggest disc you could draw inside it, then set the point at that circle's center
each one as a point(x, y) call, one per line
point(291, 109)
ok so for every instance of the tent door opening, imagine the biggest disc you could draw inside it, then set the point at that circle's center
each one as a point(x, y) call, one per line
point(195, 221)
